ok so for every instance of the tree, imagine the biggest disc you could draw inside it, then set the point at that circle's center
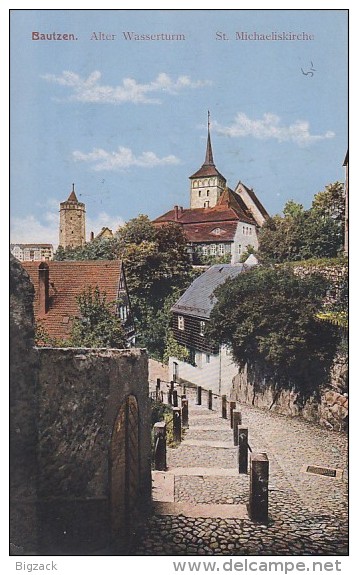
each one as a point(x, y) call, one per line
point(158, 270)
point(331, 202)
point(97, 249)
point(304, 234)
point(97, 325)
point(268, 316)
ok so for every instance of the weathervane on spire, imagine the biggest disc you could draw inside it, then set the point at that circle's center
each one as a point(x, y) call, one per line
point(208, 120)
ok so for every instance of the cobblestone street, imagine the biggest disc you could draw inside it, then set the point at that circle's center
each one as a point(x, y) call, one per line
point(308, 514)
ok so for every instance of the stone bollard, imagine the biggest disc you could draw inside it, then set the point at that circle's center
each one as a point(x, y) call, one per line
point(198, 395)
point(232, 407)
point(160, 449)
point(243, 433)
point(223, 407)
point(157, 390)
point(210, 399)
point(177, 424)
point(175, 398)
point(185, 412)
point(236, 422)
point(259, 478)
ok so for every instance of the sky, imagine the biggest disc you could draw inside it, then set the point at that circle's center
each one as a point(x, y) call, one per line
point(126, 120)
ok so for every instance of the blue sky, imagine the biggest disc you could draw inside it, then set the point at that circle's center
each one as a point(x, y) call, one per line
point(126, 120)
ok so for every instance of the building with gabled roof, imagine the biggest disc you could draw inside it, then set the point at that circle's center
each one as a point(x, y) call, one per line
point(220, 222)
point(208, 364)
point(58, 283)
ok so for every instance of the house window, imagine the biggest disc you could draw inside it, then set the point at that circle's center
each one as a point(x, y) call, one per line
point(202, 327)
point(205, 250)
point(208, 358)
point(206, 204)
point(221, 249)
point(123, 312)
point(181, 322)
point(213, 250)
point(199, 193)
point(239, 249)
point(192, 356)
point(208, 192)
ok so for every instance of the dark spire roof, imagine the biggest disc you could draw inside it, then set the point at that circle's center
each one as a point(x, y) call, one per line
point(72, 197)
point(209, 158)
point(208, 168)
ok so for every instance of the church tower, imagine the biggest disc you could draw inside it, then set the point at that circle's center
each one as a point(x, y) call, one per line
point(207, 184)
point(72, 222)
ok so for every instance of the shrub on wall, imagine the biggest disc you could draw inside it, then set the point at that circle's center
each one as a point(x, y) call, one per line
point(268, 316)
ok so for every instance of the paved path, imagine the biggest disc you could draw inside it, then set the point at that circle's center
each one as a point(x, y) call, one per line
point(206, 512)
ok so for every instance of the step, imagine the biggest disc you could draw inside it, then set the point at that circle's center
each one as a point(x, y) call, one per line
point(208, 443)
point(205, 510)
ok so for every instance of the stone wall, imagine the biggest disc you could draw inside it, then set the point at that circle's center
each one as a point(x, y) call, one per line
point(23, 414)
point(330, 409)
point(81, 392)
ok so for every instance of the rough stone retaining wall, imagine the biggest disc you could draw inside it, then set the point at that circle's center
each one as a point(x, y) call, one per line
point(23, 413)
point(329, 410)
point(80, 394)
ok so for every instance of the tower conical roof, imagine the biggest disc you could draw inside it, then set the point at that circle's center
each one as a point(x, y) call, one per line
point(72, 197)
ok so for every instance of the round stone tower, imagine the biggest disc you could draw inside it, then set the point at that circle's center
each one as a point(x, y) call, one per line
point(72, 222)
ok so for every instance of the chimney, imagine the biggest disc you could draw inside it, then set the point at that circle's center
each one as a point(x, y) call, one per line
point(43, 289)
point(176, 212)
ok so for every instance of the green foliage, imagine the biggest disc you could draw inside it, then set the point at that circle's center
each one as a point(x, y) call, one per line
point(97, 325)
point(97, 249)
point(174, 349)
point(303, 234)
point(212, 260)
point(268, 316)
point(158, 411)
point(158, 270)
point(42, 338)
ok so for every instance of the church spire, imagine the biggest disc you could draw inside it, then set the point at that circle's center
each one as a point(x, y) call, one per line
point(209, 159)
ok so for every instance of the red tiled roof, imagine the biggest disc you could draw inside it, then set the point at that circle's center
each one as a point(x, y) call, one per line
point(67, 280)
point(204, 232)
point(219, 213)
